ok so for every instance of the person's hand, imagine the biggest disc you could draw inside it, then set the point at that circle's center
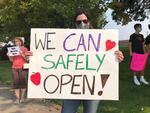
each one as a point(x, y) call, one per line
point(7, 54)
point(29, 53)
point(21, 53)
point(119, 55)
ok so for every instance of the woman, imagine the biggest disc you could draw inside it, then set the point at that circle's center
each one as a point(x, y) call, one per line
point(19, 74)
point(82, 21)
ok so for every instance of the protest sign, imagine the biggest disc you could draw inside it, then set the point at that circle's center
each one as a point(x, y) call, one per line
point(13, 51)
point(73, 64)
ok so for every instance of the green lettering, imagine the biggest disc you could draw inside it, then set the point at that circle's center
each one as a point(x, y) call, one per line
point(87, 63)
point(69, 60)
point(79, 62)
point(60, 61)
point(100, 61)
point(46, 60)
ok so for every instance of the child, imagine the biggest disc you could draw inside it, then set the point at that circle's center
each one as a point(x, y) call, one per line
point(136, 45)
point(19, 74)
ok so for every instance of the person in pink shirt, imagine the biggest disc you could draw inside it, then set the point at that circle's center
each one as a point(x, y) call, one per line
point(19, 73)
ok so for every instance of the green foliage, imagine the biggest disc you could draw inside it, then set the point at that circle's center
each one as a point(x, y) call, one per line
point(17, 17)
point(125, 11)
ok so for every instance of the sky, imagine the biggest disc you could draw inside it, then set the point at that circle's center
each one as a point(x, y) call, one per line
point(126, 30)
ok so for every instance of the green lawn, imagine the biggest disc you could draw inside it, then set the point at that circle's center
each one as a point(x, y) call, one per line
point(5, 72)
point(132, 98)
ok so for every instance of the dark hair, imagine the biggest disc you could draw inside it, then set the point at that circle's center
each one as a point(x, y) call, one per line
point(79, 12)
point(137, 25)
point(18, 38)
point(149, 26)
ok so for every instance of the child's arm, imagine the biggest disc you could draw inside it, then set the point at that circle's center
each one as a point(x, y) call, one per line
point(130, 48)
point(144, 48)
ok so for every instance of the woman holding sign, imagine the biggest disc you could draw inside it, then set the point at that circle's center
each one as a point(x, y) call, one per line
point(90, 106)
point(19, 74)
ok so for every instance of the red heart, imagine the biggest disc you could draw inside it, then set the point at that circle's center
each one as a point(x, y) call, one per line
point(110, 44)
point(36, 78)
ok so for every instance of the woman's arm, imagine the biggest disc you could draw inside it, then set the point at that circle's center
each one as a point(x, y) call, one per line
point(23, 53)
point(28, 54)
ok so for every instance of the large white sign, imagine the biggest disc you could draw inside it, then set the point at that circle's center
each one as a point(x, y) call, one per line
point(73, 64)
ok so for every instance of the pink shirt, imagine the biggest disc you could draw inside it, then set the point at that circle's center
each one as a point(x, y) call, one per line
point(18, 61)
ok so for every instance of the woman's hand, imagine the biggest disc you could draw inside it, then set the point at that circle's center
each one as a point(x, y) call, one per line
point(119, 55)
point(29, 53)
point(7, 54)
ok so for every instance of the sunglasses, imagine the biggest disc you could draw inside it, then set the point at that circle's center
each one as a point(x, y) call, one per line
point(79, 21)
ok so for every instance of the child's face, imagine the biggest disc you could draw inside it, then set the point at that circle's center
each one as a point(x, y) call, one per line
point(17, 42)
point(138, 29)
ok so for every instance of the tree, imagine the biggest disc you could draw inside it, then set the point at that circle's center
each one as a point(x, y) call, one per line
point(17, 17)
point(125, 11)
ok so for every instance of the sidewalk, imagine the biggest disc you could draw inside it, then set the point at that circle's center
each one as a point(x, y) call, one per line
point(32, 106)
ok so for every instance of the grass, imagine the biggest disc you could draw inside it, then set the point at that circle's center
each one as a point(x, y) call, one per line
point(5, 72)
point(133, 99)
